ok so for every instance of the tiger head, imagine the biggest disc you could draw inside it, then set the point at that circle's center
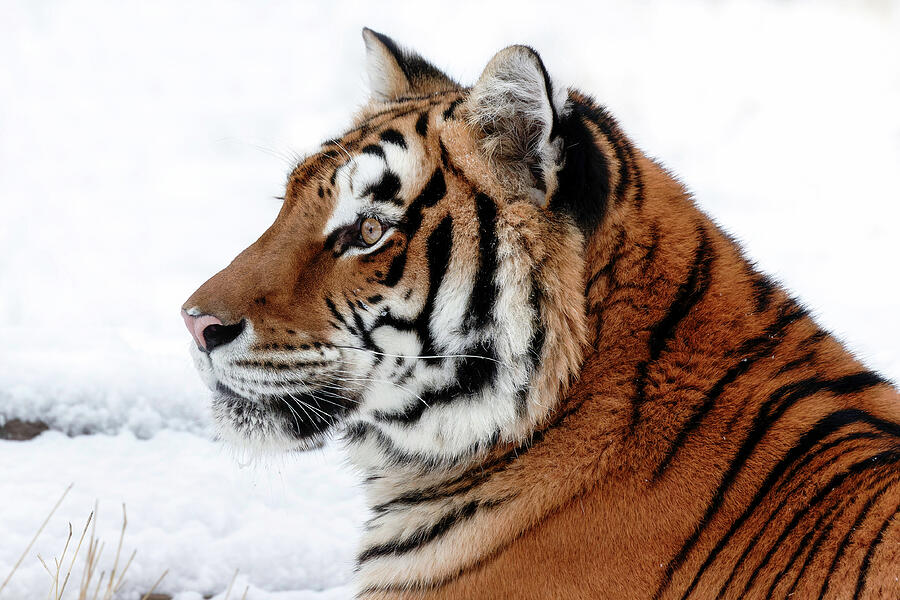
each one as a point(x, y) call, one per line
point(420, 291)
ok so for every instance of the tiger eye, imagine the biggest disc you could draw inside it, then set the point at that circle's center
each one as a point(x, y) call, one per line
point(371, 230)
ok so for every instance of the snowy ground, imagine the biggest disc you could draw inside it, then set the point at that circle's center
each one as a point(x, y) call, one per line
point(289, 523)
point(141, 147)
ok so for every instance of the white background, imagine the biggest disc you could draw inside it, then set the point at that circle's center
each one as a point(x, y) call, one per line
point(141, 146)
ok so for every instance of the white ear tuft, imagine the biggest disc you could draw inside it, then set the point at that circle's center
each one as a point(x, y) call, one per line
point(396, 73)
point(515, 110)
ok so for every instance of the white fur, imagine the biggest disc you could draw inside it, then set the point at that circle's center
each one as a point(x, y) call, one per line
point(364, 170)
point(386, 80)
point(514, 110)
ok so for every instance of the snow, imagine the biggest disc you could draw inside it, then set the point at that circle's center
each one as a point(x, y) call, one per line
point(142, 146)
point(290, 522)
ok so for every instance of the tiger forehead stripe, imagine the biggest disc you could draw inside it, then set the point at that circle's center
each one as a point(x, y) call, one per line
point(378, 120)
point(372, 179)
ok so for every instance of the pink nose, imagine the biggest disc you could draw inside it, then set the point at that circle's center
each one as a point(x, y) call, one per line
point(197, 325)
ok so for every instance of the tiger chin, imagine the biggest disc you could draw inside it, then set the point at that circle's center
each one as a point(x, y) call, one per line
point(559, 378)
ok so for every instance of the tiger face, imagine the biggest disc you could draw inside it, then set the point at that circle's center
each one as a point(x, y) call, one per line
point(411, 292)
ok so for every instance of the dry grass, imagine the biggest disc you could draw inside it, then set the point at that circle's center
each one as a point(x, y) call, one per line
point(59, 578)
point(36, 534)
point(231, 585)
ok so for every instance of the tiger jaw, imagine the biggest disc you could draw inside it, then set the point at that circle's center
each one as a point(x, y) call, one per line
point(275, 401)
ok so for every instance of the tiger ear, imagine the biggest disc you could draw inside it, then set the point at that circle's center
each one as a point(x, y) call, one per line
point(395, 72)
point(515, 112)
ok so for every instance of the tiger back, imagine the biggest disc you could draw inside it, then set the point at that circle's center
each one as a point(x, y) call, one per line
point(557, 376)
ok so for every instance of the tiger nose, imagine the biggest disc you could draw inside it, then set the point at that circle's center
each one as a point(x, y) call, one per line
point(209, 332)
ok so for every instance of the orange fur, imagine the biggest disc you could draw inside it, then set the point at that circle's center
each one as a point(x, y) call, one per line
point(698, 434)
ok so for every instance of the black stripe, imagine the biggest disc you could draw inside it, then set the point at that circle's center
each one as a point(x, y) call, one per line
point(584, 181)
point(472, 374)
point(374, 150)
point(365, 336)
point(334, 311)
point(391, 114)
point(689, 293)
point(395, 269)
point(437, 249)
point(836, 510)
point(749, 352)
point(424, 535)
point(870, 552)
point(614, 256)
point(392, 136)
point(624, 157)
point(396, 457)
point(651, 248)
point(891, 456)
point(833, 513)
point(476, 475)
point(772, 410)
point(634, 177)
point(446, 161)
point(763, 291)
point(484, 289)
point(835, 482)
point(788, 312)
point(814, 549)
point(482, 472)
point(538, 334)
point(422, 124)
point(687, 296)
point(386, 189)
point(807, 359)
point(331, 241)
point(431, 194)
point(814, 339)
point(452, 108)
point(859, 435)
point(610, 130)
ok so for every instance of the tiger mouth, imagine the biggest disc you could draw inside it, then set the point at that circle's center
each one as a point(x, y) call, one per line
point(303, 416)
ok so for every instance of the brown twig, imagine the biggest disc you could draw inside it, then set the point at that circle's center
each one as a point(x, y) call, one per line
point(153, 589)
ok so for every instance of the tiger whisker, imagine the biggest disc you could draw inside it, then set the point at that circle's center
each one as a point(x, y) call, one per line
point(416, 356)
point(310, 406)
point(300, 404)
point(288, 157)
point(343, 148)
point(333, 395)
point(290, 408)
point(308, 391)
point(397, 385)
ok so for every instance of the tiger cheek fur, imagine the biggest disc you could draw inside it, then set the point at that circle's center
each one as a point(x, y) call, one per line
point(559, 378)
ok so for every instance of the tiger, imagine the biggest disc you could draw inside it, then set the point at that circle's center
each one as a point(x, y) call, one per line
point(556, 376)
